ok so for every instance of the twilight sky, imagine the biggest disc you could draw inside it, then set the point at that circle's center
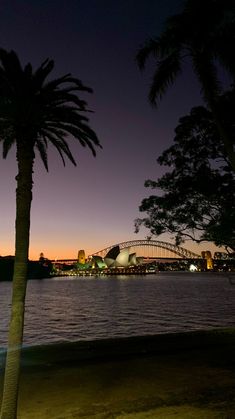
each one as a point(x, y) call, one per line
point(94, 205)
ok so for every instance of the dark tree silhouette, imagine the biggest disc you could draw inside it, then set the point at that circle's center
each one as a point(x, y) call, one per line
point(34, 112)
point(204, 33)
point(195, 199)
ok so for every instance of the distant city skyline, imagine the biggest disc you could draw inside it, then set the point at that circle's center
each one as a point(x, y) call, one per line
point(94, 205)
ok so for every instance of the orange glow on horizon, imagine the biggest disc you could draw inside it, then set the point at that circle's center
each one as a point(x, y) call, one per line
point(70, 252)
point(59, 253)
point(55, 253)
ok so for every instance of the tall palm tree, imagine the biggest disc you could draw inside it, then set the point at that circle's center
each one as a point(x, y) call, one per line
point(205, 33)
point(34, 112)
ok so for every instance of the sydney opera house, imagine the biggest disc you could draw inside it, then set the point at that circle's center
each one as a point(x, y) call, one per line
point(117, 258)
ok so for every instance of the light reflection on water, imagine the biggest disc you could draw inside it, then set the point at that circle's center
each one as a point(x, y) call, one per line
point(67, 309)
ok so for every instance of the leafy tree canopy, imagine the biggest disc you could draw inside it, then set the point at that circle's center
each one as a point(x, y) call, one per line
point(195, 198)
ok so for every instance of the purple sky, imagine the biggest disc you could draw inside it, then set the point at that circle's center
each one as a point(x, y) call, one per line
point(94, 205)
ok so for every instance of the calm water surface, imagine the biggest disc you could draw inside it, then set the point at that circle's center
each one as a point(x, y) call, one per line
point(67, 309)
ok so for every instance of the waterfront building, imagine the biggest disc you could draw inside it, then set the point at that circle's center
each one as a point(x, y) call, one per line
point(81, 257)
point(208, 257)
point(116, 258)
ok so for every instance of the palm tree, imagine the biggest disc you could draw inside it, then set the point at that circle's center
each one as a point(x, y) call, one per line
point(205, 33)
point(33, 113)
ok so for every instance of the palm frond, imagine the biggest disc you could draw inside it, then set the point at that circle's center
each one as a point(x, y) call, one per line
point(28, 70)
point(67, 78)
point(62, 147)
point(165, 74)
point(83, 134)
point(33, 108)
point(63, 96)
point(206, 71)
point(42, 72)
point(10, 62)
point(224, 53)
point(7, 144)
point(41, 145)
point(150, 48)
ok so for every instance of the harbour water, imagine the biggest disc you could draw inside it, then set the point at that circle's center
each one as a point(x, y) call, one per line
point(77, 308)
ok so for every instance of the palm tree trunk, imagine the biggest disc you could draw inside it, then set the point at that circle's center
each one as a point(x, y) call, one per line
point(25, 160)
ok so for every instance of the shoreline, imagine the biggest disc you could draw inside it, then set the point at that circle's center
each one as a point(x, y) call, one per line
point(118, 347)
point(66, 274)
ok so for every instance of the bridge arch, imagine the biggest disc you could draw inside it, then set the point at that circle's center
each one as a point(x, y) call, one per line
point(177, 250)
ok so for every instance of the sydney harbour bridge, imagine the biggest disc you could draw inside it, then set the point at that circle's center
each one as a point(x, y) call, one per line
point(152, 249)
point(148, 249)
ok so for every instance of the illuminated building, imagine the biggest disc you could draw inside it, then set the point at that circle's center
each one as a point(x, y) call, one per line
point(97, 262)
point(209, 262)
point(81, 257)
point(116, 258)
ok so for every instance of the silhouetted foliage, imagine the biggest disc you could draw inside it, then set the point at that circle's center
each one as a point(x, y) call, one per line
point(195, 199)
point(35, 269)
point(203, 33)
point(6, 268)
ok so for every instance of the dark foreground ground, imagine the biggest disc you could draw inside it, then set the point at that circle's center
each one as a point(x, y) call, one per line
point(181, 376)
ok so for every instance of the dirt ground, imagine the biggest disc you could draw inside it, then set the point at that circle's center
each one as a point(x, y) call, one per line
point(176, 381)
